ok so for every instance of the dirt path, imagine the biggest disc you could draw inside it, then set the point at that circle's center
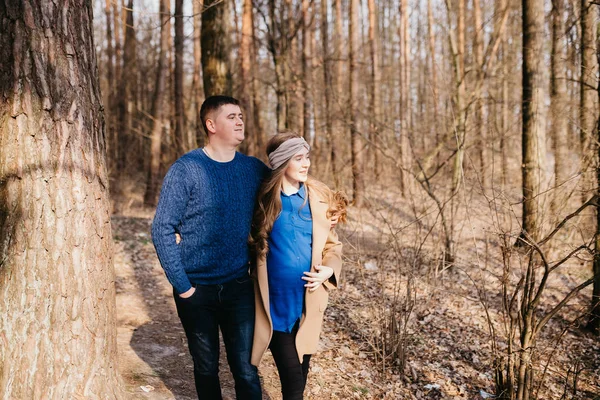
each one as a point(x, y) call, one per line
point(152, 345)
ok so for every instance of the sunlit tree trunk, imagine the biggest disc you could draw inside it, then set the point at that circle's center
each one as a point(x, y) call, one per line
point(375, 84)
point(558, 98)
point(353, 79)
point(533, 130)
point(587, 112)
point(57, 294)
point(247, 76)
point(480, 122)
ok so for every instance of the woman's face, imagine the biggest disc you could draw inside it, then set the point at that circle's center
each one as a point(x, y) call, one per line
point(297, 169)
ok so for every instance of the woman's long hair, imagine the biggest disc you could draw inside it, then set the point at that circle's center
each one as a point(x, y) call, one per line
point(268, 205)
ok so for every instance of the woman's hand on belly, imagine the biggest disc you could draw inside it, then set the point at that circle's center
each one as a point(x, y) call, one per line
point(316, 279)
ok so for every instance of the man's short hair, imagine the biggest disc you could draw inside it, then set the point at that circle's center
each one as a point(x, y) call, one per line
point(213, 103)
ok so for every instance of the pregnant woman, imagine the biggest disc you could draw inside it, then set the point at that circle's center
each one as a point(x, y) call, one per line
point(298, 260)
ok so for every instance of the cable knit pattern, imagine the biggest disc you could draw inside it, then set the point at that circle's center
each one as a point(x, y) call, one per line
point(210, 204)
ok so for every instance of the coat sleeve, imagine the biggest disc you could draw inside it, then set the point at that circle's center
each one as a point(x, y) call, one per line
point(332, 257)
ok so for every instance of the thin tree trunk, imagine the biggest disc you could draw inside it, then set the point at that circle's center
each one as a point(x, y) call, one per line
point(375, 84)
point(587, 111)
point(594, 321)
point(57, 294)
point(247, 76)
point(459, 76)
point(353, 79)
point(183, 142)
point(480, 124)
point(533, 133)
point(558, 99)
point(157, 112)
point(110, 78)
point(338, 99)
point(127, 86)
point(197, 91)
point(327, 82)
point(307, 55)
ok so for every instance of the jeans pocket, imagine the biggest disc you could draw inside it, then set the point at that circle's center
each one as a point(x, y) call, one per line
point(243, 280)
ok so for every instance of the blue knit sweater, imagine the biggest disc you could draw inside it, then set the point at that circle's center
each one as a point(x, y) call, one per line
point(210, 204)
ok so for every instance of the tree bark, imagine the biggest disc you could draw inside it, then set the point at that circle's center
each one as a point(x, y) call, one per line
point(353, 78)
point(558, 98)
point(216, 73)
point(126, 99)
point(184, 142)
point(375, 84)
point(57, 294)
point(587, 111)
point(480, 123)
point(247, 76)
point(533, 132)
point(197, 90)
point(157, 112)
point(307, 55)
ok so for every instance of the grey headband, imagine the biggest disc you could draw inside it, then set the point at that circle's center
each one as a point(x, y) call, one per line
point(286, 150)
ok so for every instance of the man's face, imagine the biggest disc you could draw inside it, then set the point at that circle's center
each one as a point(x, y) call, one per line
point(227, 124)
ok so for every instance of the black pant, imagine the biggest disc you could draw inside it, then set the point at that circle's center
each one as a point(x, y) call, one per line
point(292, 374)
point(229, 306)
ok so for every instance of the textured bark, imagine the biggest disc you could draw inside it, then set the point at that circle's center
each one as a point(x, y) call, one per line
point(157, 111)
point(215, 49)
point(57, 295)
point(353, 78)
point(533, 131)
point(460, 96)
point(558, 95)
point(197, 90)
point(594, 321)
point(587, 111)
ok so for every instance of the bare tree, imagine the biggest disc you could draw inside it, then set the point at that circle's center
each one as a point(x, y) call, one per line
point(57, 294)
point(197, 92)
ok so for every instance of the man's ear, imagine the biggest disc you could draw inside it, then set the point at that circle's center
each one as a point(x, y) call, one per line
point(210, 124)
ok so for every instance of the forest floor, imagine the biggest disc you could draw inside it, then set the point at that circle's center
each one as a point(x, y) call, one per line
point(440, 326)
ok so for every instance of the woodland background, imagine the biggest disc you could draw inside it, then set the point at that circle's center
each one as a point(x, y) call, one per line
point(466, 134)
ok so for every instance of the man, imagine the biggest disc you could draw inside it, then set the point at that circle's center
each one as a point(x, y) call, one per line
point(207, 198)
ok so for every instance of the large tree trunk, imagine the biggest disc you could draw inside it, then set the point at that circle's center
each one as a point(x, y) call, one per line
point(157, 112)
point(533, 132)
point(558, 100)
point(215, 49)
point(353, 79)
point(57, 294)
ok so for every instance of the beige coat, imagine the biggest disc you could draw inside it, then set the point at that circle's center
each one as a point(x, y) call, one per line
point(326, 250)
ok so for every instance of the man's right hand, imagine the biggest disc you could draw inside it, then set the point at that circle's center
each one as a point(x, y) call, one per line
point(189, 293)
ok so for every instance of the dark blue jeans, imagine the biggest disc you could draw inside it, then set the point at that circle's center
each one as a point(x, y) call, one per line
point(229, 306)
